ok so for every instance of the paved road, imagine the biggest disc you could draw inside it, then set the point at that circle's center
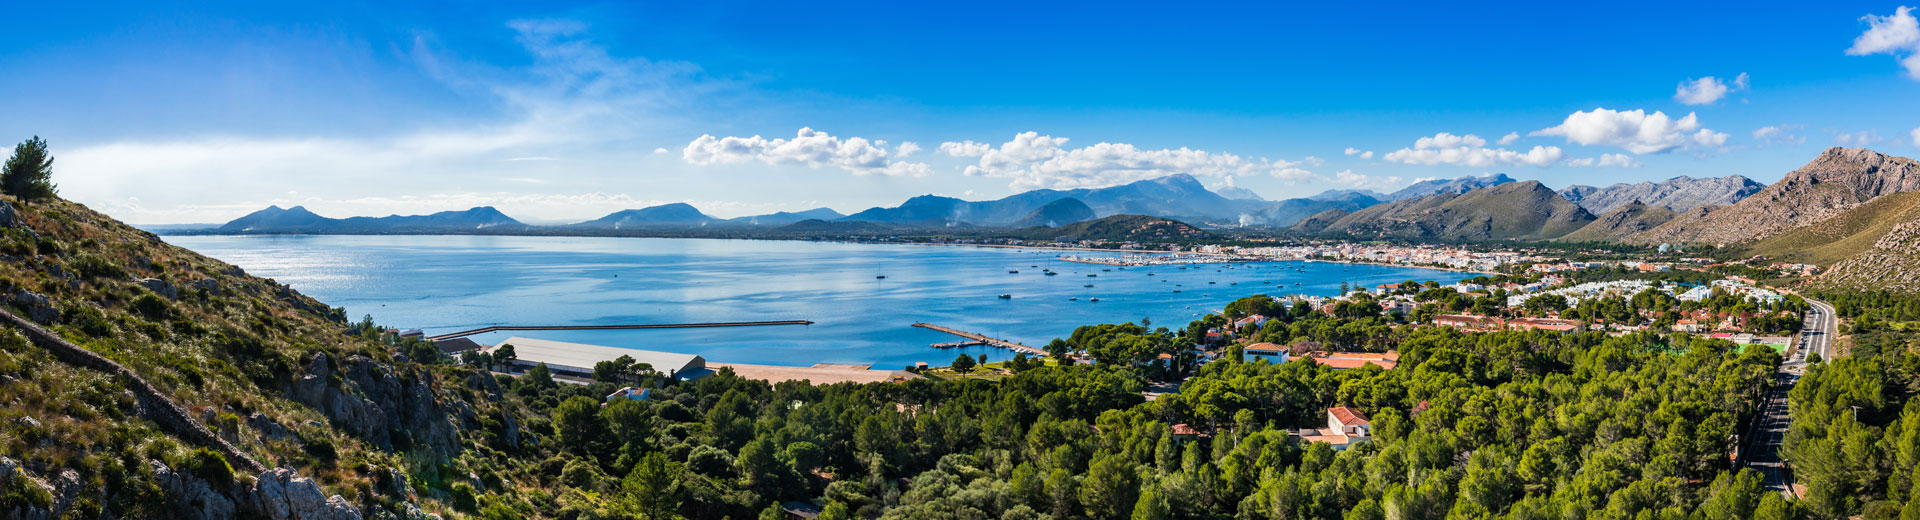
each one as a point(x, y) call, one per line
point(1764, 441)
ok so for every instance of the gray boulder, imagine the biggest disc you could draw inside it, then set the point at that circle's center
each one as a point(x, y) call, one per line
point(38, 308)
point(376, 404)
point(159, 286)
point(282, 495)
point(191, 496)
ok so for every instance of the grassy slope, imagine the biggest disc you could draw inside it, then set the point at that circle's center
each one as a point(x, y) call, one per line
point(222, 355)
point(1842, 236)
point(1627, 219)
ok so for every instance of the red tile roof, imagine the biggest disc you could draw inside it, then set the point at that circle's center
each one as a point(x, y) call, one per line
point(1347, 416)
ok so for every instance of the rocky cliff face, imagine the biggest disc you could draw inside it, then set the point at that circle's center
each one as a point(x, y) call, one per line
point(1836, 181)
point(1677, 194)
point(385, 409)
point(1893, 263)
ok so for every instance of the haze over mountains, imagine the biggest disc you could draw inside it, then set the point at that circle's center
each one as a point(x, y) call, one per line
point(1487, 209)
point(1855, 210)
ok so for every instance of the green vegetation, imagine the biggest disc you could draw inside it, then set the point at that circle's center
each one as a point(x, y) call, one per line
point(1855, 442)
point(28, 175)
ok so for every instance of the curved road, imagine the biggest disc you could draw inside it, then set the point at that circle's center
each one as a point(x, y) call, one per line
point(1763, 447)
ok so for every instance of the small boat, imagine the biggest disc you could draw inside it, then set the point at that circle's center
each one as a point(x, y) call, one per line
point(1074, 299)
point(1106, 270)
point(1149, 274)
point(1013, 271)
point(1091, 275)
point(1051, 273)
point(1006, 296)
point(1211, 283)
point(1093, 299)
point(1087, 285)
point(1176, 290)
point(881, 277)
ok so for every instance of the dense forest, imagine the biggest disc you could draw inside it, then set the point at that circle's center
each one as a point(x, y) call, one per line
point(1856, 437)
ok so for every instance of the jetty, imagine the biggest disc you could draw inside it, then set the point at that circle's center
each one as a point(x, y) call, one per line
point(956, 344)
point(979, 339)
point(497, 328)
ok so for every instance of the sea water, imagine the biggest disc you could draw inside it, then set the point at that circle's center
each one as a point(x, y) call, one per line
point(450, 283)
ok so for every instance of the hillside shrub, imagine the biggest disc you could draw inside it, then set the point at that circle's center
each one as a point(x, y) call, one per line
point(93, 267)
point(152, 306)
point(207, 464)
point(88, 320)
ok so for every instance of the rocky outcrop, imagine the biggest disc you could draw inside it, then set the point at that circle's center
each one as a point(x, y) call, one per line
point(37, 307)
point(1893, 263)
point(381, 407)
point(1678, 194)
point(282, 495)
point(191, 496)
point(158, 286)
point(10, 470)
point(1836, 181)
point(9, 217)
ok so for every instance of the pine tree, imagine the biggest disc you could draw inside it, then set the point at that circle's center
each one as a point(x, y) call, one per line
point(29, 172)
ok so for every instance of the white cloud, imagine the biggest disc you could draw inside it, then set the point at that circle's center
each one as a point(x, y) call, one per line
point(1856, 139)
point(518, 159)
point(661, 151)
point(809, 147)
point(966, 148)
point(1635, 131)
point(1367, 182)
point(1509, 138)
point(1897, 35)
point(1605, 160)
point(1707, 90)
point(1471, 150)
point(907, 148)
point(1916, 137)
point(1035, 161)
point(1356, 152)
point(1779, 134)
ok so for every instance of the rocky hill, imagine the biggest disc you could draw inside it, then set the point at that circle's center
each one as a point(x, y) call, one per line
point(1120, 228)
point(1057, 213)
point(1891, 263)
point(147, 381)
point(1678, 194)
point(1519, 210)
point(1845, 235)
point(1631, 218)
point(675, 215)
point(1836, 181)
point(1319, 221)
point(1443, 186)
point(298, 219)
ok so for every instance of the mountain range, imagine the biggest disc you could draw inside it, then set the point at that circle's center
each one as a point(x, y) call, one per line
point(1838, 180)
point(1509, 210)
point(297, 219)
point(1487, 207)
point(1676, 194)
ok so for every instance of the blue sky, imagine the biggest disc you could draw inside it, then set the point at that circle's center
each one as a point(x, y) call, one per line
point(203, 113)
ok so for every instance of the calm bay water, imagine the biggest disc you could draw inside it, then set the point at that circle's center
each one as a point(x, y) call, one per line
point(450, 283)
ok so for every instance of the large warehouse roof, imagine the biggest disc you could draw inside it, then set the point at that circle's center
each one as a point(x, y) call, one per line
point(580, 357)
